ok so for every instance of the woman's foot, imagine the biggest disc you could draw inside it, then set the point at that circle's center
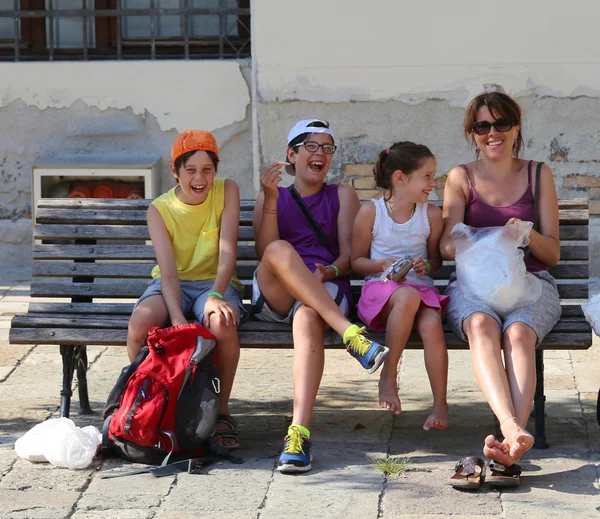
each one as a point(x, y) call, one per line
point(497, 451)
point(517, 438)
point(388, 395)
point(438, 419)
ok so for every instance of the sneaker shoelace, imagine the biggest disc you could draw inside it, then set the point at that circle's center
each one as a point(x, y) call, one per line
point(293, 441)
point(359, 343)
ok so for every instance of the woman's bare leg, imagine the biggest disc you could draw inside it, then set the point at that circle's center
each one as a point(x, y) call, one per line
point(483, 333)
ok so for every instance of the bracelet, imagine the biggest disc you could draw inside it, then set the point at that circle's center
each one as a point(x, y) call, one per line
point(216, 294)
point(269, 211)
point(427, 267)
point(335, 269)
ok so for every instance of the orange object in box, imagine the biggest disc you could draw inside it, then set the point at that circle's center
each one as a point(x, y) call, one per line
point(80, 191)
point(103, 191)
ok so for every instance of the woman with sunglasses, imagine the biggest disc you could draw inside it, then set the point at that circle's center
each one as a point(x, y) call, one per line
point(498, 189)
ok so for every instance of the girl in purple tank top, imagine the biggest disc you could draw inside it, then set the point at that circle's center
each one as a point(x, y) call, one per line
point(496, 190)
point(302, 276)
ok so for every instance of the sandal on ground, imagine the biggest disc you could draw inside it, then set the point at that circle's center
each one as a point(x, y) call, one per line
point(231, 433)
point(502, 476)
point(469, 473)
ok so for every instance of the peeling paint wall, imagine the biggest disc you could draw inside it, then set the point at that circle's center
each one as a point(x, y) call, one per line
point(114, 109)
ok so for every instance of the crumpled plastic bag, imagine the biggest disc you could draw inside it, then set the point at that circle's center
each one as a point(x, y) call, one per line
point(591, 312)
point(60, 442)
point(490, 266)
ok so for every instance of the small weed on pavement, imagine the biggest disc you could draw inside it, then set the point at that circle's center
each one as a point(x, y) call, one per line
point(391, 466)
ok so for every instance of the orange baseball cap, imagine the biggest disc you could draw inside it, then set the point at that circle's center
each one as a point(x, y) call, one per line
point(193, 140)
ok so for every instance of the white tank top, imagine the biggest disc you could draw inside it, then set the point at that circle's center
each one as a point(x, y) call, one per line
point(409, 239)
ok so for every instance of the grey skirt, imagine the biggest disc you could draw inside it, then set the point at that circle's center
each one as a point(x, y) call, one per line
point(541, 316)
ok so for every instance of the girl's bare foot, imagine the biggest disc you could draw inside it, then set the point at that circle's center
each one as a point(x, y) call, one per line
point(517, 438)
point(388, 395)
point(438, 419)
point(497, 451)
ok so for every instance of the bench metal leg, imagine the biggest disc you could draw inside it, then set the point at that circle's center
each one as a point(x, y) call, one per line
point(82, 365)
point(540, 403)
point(68, 360)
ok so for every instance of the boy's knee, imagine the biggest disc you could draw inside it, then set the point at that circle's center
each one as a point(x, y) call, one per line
point(307, 314)
point(278, 250)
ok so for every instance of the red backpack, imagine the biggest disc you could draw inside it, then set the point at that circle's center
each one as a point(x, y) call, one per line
point(165, 404)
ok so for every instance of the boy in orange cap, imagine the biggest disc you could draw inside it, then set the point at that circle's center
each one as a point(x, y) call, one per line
point(194, 232)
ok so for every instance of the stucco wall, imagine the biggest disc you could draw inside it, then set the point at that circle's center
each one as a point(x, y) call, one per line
point(112, 109)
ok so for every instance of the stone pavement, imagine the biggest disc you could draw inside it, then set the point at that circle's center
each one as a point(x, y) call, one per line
point(348, 429)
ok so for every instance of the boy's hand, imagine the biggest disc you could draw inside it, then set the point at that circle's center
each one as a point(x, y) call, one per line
point(320, 272)
point(177, 321)
point(269, 180)
point(223, 312)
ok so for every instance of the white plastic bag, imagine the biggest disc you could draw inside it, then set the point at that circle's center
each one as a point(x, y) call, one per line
point(591, 311)
point(60, 442)
point(490, 266)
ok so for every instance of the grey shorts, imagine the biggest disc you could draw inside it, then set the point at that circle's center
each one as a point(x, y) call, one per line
point(262, 311)
point(194, 295)
point(541, 316)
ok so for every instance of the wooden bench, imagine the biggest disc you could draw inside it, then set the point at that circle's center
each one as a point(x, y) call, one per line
point(94, 253)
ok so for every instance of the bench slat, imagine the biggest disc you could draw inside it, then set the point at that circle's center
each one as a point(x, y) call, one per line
point(133, 288)
point(111, 337)
point(124, 204)
point(146, 252)
point(244, 270)
point(127, 251)
point(119, 309)
point(121, 322)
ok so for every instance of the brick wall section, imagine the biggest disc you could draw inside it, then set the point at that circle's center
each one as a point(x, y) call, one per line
point(360, 176)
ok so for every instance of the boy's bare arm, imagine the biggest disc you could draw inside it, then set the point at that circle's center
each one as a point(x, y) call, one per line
point(161, 241)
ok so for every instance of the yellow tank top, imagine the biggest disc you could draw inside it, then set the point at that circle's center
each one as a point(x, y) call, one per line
point(194, 232)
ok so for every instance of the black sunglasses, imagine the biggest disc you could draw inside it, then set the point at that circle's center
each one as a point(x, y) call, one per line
point(503, 124)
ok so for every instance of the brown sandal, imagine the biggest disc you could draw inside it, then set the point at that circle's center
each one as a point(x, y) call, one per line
point(502, 476)
point(469, 473)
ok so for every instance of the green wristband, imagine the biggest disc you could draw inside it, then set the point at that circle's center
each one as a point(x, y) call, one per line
point(427, 267)
point(216, 294)
point(335, 269)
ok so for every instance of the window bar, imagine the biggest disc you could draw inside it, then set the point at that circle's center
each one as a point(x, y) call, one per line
point(85, 29)
point(50, 30)
point(186, 29)
point(153, 29)
point(17, 33)
point(221, 29)
point(119, 29)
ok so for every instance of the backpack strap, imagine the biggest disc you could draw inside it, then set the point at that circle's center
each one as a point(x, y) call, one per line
point(314, 225)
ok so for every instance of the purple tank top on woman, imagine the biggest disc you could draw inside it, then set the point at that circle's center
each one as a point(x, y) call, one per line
point(480, 214)
point(293, 228)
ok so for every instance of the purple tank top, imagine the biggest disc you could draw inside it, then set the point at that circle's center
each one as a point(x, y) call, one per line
point(293, 228)
point(480, 214)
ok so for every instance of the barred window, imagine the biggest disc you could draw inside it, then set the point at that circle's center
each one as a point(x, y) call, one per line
point(124, 29)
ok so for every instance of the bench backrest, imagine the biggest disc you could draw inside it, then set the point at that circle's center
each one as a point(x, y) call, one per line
point(97, 249)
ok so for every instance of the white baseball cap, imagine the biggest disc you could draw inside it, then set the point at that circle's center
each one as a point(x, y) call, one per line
point(306, 126)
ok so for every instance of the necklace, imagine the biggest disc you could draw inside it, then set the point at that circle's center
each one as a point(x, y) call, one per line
point(390, 211)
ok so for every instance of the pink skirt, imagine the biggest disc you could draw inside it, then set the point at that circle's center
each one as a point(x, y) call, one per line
point(376, 294)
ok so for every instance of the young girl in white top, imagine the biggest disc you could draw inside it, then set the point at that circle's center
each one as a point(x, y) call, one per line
point(402, 224)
